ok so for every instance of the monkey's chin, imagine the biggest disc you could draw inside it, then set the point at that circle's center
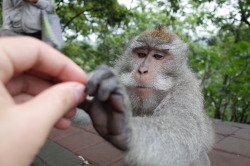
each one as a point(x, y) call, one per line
point(144, 92)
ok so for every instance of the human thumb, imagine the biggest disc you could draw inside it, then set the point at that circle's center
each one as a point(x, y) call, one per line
point(50, 105)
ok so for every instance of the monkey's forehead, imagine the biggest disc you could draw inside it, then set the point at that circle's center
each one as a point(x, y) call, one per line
point(162, 34)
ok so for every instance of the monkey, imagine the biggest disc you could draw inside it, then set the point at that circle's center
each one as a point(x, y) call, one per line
point(150, 104)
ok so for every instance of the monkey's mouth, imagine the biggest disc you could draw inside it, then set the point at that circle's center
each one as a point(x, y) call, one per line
point(144, 87)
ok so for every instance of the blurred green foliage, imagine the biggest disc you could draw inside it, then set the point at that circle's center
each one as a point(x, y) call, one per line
point(218, 32)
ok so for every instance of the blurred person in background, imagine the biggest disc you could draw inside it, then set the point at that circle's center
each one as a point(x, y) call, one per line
point(23, 17)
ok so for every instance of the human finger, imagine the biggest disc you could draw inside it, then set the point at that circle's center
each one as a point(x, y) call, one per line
point(21, 98)
point(27, 84)
point(70, 113)
point(22, 88)
point(50, 105)
point(37, 56)
point(63, 123)
point(5, 98)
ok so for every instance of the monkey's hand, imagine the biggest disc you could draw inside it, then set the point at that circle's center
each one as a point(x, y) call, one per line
point(108, 108)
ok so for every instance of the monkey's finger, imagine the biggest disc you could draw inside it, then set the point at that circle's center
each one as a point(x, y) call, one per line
point(119, 141)
point(106, 88)
point(116, 116)
point(85, 105)
point(96, 77)
point(117, 102)
point(99, 117)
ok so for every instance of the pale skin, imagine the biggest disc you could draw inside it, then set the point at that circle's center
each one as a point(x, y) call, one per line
point(33, 75)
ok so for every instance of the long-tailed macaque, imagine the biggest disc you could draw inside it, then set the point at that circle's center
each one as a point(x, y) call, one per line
point(151, 106)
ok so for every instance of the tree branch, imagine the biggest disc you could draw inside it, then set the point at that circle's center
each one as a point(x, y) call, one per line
point(78, 14)
point(243, 14)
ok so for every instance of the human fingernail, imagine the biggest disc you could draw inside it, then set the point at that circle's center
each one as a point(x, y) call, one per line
point(79, 92)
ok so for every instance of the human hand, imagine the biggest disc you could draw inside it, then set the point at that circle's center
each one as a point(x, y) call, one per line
point(38, 88)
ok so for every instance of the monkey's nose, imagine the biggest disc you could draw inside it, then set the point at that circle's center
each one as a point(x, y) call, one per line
point(143, 70)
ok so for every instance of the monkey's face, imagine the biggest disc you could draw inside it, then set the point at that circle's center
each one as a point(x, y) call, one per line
point(148, 75)
point(146, 70)
point(151, 65)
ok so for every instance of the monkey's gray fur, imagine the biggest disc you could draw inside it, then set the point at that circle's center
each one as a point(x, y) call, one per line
point(170, 128)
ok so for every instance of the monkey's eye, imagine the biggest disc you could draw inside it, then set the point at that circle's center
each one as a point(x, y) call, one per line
point(141, 54)
point(158, 56)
